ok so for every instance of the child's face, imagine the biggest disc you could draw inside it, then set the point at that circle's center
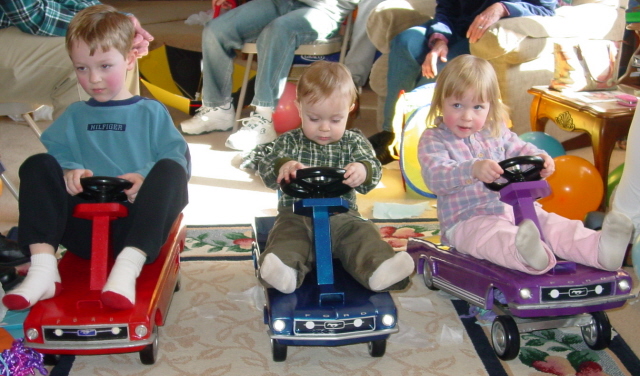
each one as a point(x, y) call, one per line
point(325, 121)
point(102, 75)
point(464, 116)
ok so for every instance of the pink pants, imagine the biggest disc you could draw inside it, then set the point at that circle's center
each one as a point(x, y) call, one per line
point(493, 238)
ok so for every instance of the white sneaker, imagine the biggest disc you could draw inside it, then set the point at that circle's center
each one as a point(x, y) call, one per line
point(256, 130)
point(208, 119)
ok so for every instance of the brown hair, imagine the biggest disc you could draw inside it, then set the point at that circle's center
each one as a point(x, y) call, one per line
point(468, 72)
point(323, 79)
point(101, 27)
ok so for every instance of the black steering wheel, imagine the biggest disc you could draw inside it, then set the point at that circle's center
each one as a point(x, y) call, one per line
point(516, 170)
point(316, 182)
point(104, 189)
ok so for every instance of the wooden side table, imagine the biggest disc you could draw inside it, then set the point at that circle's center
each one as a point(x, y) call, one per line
point(604, 122)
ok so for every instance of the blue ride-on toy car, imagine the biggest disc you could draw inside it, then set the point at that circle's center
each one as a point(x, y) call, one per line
point(330, 308)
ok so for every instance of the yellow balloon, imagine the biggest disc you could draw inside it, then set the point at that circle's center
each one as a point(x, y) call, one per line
point(576, 188)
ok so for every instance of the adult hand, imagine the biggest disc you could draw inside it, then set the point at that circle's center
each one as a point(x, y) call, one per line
point(484, 20)
point(141, 40)
point(439, 51)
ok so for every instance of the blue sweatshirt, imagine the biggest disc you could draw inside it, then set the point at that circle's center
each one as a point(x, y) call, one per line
point(115, 137)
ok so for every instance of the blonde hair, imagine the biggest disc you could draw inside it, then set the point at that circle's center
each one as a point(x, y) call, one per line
point(468, 72)
point(323, 79)
point(101, 27)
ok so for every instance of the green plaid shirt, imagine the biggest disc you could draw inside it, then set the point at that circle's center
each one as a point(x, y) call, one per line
point(293, 145)
point(41, 17)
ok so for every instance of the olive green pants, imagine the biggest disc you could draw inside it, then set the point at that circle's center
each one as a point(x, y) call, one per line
point(355, 241)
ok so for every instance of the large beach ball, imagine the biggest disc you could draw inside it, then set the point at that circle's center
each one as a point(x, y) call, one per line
point(576, 188)
point(545, 142)
point(286, 116)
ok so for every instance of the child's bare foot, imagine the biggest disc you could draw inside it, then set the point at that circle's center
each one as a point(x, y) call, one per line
point(391, 271)
point(42, 282)
point(120, 290)
point(280, 276)
point(614, 239)
point(529, 245)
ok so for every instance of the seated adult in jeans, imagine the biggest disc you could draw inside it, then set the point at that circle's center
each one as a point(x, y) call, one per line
point(279, 26)
point(34, 64)
point(418, 53)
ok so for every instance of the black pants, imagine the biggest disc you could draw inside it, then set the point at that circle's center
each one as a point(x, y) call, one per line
point(46, 209)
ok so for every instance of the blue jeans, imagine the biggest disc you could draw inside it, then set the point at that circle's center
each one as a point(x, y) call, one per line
point(279, 26)
point(408, 51)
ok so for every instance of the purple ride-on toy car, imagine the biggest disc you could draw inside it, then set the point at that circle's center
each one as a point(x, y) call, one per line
point(330, 308)
point(568, 295)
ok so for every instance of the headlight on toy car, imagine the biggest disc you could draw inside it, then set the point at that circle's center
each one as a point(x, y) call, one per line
point(32, 334)
point(279, 325)
point(624, 285)
point(141, 330)
point(388, 320)
point(525, 293)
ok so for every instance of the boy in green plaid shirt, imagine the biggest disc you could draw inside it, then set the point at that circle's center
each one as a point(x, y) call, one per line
point(325, 96)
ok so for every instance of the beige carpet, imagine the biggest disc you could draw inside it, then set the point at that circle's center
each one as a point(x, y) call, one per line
point(215, 328)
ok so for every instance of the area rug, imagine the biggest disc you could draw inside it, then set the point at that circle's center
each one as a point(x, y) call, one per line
point(215, 327)
point(233, 242)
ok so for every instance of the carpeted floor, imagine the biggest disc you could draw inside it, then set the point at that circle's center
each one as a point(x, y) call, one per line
point(215, 327)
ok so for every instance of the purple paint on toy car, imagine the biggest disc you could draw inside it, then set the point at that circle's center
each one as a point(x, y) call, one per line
point(567, 289)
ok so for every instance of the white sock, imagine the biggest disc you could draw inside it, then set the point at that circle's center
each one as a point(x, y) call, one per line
point(125, 271)
point(391, 271)
point(529, 245)
point(41, 279)
point(265, 112)
point(616, 233)
point(280, 276)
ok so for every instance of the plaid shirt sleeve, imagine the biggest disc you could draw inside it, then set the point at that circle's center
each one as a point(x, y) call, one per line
point(41, 17)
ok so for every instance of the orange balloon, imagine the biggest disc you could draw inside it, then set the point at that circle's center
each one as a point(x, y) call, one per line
point(576, 188)
point(286, 116)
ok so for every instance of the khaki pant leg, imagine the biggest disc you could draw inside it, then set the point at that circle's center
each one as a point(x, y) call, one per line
point(291, 240)
point(37, 69)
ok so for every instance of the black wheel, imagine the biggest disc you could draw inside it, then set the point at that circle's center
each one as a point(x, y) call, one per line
point(279, 351)
point(50, 359)
point(178, 284)
point(149, 354)
point(377, 348)
point(427, 276)
point(505, 337)
point(104, 188)
point(518, 169)
point(597, 335)
point(316, 182)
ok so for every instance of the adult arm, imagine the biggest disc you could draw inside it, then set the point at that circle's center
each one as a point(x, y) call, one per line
point(51, 18)
point(42, 17)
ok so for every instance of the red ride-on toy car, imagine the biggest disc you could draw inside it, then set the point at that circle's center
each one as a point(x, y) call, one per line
point(76, 322)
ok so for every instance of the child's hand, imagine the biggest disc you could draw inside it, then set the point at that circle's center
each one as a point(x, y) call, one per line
point(486, 170)
point(288, 171)
point(549, 166)
point(355, 174)
point(72, 180)
point(137, 180)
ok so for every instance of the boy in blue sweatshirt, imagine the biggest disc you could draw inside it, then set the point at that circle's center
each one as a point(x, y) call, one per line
point(112, 134)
